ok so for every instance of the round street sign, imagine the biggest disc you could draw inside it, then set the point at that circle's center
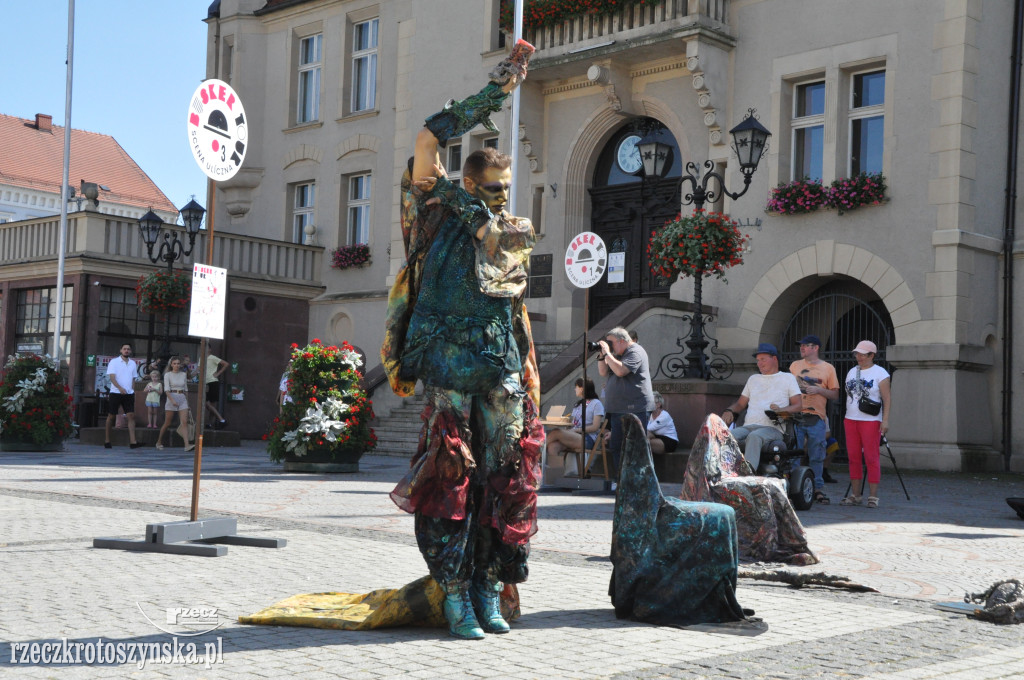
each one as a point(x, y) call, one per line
point(585, 260)
point(217, 129)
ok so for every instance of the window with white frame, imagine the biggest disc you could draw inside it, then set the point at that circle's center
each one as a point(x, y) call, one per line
point(364, 65)
point(454, 163)
point(359, 192)
point(308, 96)
point(303, 209)
point(808, 130)
point(867, 122)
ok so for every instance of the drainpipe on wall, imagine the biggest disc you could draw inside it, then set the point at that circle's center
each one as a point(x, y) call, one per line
point(1009, 229)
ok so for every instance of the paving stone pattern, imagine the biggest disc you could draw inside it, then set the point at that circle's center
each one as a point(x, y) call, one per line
point(955, 535)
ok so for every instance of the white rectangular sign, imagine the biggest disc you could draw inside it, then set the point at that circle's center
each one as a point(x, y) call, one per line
point(209, 299)
point(616, 267)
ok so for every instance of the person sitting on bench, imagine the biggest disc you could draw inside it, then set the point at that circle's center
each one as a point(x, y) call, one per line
point(573, 439)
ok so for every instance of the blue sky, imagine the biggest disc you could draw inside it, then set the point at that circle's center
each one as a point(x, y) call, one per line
point(136, 65)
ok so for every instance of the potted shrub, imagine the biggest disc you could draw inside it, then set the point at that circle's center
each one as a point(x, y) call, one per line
point(35, 405)
point(326, 425)
point(163, 291)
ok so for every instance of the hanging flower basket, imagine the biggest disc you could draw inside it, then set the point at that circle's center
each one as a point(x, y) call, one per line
point(163, 292)
point(328, 418)
point(705, 243)
point(35, 405)
point(350, 256)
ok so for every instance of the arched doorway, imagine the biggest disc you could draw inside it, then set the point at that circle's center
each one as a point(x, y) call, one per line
point(626, 208)
point(842, 313)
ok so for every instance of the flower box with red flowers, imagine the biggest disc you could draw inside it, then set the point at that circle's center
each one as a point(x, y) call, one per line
point(356, 255)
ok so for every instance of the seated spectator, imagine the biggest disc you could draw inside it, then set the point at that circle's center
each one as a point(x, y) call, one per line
point(661, 429)
point(582, 433)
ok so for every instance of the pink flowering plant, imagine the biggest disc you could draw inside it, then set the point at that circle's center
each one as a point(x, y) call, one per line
point(344, 257)
point(798, 197)
point(850, 193)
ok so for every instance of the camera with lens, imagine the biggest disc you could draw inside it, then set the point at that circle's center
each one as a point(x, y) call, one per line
point(593, 347)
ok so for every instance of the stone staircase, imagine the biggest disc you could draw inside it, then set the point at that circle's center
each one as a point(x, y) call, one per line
point(399, 433)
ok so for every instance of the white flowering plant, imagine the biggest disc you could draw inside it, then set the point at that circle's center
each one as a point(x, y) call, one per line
point(35, 404)
point(329, 410)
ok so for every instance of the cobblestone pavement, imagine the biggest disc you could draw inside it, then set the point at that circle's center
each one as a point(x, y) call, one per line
point(956, 534)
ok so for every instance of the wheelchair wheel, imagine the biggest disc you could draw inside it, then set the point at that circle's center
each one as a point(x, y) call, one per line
point(801, 487)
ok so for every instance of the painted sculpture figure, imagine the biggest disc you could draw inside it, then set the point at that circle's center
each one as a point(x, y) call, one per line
point(769, 529)
point(674, 562)
point(457, 321)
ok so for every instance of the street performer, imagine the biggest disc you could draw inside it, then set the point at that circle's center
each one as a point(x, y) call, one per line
point(457, 321)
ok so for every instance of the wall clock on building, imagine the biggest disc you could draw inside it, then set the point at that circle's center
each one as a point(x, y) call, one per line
point(628, 156)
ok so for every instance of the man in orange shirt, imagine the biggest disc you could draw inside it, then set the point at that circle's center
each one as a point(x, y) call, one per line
point(818, 385)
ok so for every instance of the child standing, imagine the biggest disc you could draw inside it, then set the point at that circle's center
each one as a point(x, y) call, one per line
point(153, 391)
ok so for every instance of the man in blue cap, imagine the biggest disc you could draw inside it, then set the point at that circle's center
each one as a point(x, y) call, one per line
point(767, 390)
point(819, 384)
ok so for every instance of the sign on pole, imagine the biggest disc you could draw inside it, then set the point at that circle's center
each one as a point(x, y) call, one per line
point(209, 298)
point(585, 260)
point(217, 129)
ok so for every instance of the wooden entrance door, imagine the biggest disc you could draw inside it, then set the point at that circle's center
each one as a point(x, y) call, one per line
point(624, 215)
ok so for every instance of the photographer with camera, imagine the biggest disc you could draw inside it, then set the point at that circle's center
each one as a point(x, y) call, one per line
point(818, 386)
point(628, 390)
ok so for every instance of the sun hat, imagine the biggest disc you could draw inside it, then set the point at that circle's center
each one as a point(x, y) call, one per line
point(865, 347)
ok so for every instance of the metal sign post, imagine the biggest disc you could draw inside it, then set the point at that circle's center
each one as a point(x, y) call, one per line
point(217, 132)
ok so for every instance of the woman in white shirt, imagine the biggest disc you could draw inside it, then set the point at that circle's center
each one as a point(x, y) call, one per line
point(582, 435)
point(864, 430)
point(176, 389)
point(661, 429)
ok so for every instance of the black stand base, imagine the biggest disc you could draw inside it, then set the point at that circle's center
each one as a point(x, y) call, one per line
point(186, 537)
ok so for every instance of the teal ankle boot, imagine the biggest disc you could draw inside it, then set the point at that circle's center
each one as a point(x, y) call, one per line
point(487, 604)
point(458, 611)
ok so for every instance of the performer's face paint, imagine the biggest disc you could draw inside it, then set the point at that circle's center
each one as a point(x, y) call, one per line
point(493, 188)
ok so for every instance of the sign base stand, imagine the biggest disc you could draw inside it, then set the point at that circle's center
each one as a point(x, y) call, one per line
point(188, 537)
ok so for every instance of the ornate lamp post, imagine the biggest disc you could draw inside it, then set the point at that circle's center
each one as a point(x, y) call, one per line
point(171, 249)
point(749, 140)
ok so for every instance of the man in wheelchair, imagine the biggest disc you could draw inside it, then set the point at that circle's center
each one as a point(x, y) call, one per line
point(768, 390)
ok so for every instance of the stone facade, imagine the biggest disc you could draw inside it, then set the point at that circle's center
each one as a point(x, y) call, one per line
point(928, 261)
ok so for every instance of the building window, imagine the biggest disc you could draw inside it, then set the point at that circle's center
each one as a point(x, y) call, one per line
point(867, 121)
point(121, 321)
point(359, 191)
point(539, 282)
point(364, 65)
point(808, 130)
point(491, 142)
point(36, 320)
point(454, 163)
point(309, 79)
point(303, 209)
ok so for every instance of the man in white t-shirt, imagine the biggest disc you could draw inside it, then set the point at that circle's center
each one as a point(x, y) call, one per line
point(121, 371)
point(767, 390)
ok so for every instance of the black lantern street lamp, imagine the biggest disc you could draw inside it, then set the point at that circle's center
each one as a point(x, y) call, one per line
point(171, 249)
point(749, 140)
